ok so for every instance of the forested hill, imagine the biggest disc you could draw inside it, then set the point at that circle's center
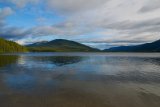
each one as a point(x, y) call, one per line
point(10, 47)
point(148, 47)
point(60, 45)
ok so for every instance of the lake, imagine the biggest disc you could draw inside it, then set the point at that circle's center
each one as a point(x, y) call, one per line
point(80, 80)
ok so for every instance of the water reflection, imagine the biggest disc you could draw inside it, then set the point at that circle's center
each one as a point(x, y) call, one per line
point(7, 60)
point(20, 81)
point(66, 80)
point(60, 60)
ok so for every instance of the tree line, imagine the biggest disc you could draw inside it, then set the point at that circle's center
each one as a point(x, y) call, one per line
point(10, 46)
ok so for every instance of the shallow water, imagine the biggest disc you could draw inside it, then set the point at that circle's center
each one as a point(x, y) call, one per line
point(80, 80)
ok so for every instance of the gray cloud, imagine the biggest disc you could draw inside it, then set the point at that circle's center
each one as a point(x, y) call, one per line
point(14, 33)
point(110, 21)
point(4, 12)
point(72, 6)
point(150, 5)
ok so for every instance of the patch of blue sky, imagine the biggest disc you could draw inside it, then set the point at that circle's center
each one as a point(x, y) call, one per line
point(29, 15)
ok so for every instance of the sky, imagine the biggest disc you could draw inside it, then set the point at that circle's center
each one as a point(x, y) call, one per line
point(98, 23)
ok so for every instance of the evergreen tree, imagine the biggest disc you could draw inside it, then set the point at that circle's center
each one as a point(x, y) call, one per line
point(10, 47)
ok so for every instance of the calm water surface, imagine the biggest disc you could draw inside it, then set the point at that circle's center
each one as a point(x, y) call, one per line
point(80, 80)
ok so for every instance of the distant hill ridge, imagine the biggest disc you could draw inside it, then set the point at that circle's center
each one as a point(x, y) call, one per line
point(60, 45)
point(148, 47)
point(10, 47)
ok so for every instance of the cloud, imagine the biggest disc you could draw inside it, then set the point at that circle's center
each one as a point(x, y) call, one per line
point(23, 3)
point(72, 6)
point(4, 12)
point(150, 5)
point(100, 21)
point(7, 31)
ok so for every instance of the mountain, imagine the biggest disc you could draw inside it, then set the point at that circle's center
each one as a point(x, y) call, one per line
point(37, 43)
point(148, 47)
point(60, 45)
point(9, 47)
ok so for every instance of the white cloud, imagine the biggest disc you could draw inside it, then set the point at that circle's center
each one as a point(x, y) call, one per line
point(72, 6)
point(118, 18)
point(22, 3)
point(4, 12)
point(135, 21)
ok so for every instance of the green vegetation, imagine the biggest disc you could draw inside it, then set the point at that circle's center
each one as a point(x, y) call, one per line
point(60, 45)
point(6, 60)
point(10, 47)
